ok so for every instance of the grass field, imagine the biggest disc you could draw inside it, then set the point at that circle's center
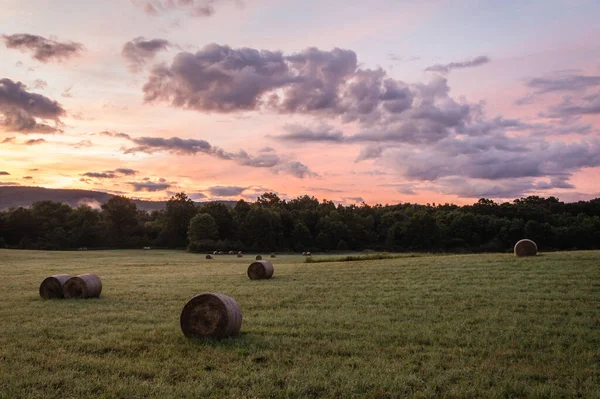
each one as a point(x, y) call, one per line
point(469, 326)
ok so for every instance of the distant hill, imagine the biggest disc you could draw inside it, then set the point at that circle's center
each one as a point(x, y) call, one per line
point(16, 196)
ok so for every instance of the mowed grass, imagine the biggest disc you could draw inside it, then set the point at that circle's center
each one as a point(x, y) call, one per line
point(469, 326)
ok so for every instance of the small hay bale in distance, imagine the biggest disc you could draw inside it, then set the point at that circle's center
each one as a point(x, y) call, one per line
point(215, 252)
point(260, 270)
point(308, 254)
point(83, 286)
point(303, 253)
point(526, 248)
point(210, 315)
point(52, 287)
point(273, 256)
point(230, 252)
point(209, 256)
point(258, 257)
point(239, 255)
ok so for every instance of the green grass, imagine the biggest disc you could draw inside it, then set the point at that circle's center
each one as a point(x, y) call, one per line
point(357, 258)
point(469, 326)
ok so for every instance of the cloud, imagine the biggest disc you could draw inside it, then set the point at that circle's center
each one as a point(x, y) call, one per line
point(35, 142)
point(126, 172)
point(115, 134)
point(3, 173)
point(197, 196)
point(40, 84)
point(83, 144)
point(588, 105)
point(44, 50)
point(27, 177)
point(113, 174)
point(20, 110)
point(226, 191)
point(139, 51)
point(302, 134)
point(563, 83)
point(149, 186)
point(194, 8)
point(9, 183)
point(179, 146)
point(357, 200)
point(8, 140)
point(446, 68)
point(371, 151)
point(402, 188)
point(67, 92)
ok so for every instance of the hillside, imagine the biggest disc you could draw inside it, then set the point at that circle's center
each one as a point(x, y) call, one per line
point(16, 196)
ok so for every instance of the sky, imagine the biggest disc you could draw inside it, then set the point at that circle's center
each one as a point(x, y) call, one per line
point(385, 101)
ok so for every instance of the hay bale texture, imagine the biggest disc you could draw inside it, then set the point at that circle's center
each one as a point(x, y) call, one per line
point(211, 315)
point(258, 257)
point(83, 286)
point(209, 256)
point(52, 287)
point(526, 248)
point(259, 270)
point(273, 256)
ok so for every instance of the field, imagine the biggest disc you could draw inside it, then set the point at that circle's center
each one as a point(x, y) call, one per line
point(468, 326)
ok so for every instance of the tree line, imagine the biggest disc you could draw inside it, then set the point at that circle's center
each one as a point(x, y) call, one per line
point(305, 224)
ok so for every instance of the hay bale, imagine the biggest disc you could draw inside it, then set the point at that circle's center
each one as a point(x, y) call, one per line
point(273, 256)
point(209, 256)
point(211, 315)
point(231, 253)
point(215, 252)
point(239, 255)
point(83, 286)
point(220, 252)
point(52, 287)
point(258, 257)
point(259, 270)
point(308, 254)
point(525, 248)
point(303, 253)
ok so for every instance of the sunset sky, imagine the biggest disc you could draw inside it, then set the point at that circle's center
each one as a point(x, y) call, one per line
point(382, 101)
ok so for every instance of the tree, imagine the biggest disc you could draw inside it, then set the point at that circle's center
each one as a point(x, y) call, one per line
point(223, 217)
point(121, 215)
point(202, 227)
point(179, 210)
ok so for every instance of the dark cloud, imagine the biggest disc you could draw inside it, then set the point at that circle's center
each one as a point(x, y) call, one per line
point(226, 191)
point(179, 146)
point(140, 51)
point(113, 174)
point(34, 142)
point(126, 172)
point(358, 200)
point(302, 134)
point(3, 173)
point(445, 68)
point(8, 140)
point(100, 175)
point(194, 8)
point(197, 196)
point(149, 186)
point(326, 190)
point(20, 110)
point(27, 177)
point(588, 105)
point(44, 50)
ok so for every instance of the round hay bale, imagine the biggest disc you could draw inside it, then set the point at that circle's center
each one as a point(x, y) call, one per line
point(220, 252)
point(211, 315)
point(83, 286)
point(215, 252)
point(259, 270)
point(230, 252)
point(258, 257)
point(308, 254)
point(525, 248)
point(303, 253)
point(209, 256)
point(52, 287)
point(239, 255)
point(273, 256)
